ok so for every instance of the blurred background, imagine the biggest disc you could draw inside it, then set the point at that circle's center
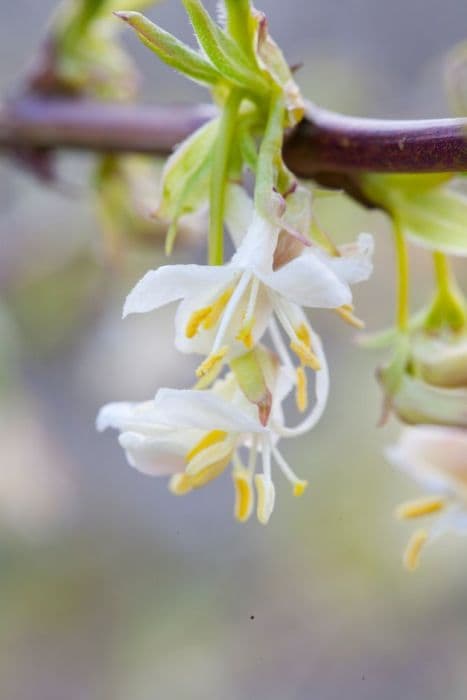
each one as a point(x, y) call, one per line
point(110, 588)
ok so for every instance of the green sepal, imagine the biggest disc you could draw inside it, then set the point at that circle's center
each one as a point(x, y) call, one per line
point(248, 370)
point(440, 361)
point(426, 210)
point(417, 402)
point(391, 376)
point(224, 53)
point(170, 50)
point(240, 25)
point(185, 178)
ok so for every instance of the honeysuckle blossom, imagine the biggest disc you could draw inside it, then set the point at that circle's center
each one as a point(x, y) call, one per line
point(226, 309)
point(193, 435)
point(436, 457)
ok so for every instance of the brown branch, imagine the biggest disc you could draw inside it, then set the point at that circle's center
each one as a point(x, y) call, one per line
point(325, 142)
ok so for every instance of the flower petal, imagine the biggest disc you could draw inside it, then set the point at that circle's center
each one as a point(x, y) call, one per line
point(355, 262)
point(201, 409)
point(256, 251)
point(153, 456)
point(172, 282)
point(309, 281)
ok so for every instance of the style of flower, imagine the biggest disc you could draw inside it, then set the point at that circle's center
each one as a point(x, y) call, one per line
point(225, 310)
point(436, 457)
point(192, 436)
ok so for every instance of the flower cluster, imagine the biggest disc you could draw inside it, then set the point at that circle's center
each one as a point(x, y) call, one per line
point(425, 382)
point(245, 318)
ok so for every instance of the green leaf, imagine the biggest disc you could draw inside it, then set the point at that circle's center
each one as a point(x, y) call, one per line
point(427, 211)
point(222, 51)
point(185, 178)
point(170, 50)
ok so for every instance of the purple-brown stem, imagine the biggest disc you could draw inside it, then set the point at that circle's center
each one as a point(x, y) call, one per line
point(324, 143)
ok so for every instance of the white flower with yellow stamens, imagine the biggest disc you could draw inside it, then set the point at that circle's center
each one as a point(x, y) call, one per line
point(436, 457)
point(226, 309)
point(193, 435)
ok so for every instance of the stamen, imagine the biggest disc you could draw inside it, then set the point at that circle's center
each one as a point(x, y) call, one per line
point(305, 355)
point(413, 549)
point(266, 497)
point(303, 334)
point(279, 345)
point(211, 361)
point(217, 308)
point(245, 334)
point(207, 440)
point(299, 485)
point(301, 394)
point(243, 494)
point(209, 463)
point(419, 507)
point(195, 321)
point(346, 314)
point(230, 309)
point(180, 484)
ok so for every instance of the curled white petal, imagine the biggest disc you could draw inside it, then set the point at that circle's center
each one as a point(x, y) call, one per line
point(201, 409)
point(153, 456)
point(355, 264)
point(170, 283)
point(308, 281)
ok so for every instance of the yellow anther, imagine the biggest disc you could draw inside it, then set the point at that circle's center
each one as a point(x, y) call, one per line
point(419, 507)
point(207, 440)
point(209, 464)
point(195, 321)
point(413, 549)
point(215, 311)
point(245, 334)
point(301, 394)
point(211, 361)
point(299, 487)
point(305, 355)
point(243, 495)
point(347, 315)
point(303, 334)
point(180, 484)
point(266, 497)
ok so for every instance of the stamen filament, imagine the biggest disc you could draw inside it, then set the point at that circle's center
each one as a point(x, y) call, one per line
point(230, 309)
point(299, 485)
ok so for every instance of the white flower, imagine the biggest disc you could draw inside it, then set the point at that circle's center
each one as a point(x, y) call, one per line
point(436, 457)
point(193, 435)
point(226, 309)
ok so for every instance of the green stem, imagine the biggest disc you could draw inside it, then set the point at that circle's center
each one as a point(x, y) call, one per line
point(269, 156)
point(220, 164)
point(402, 260)
point(442, 273)
point(448, 307)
